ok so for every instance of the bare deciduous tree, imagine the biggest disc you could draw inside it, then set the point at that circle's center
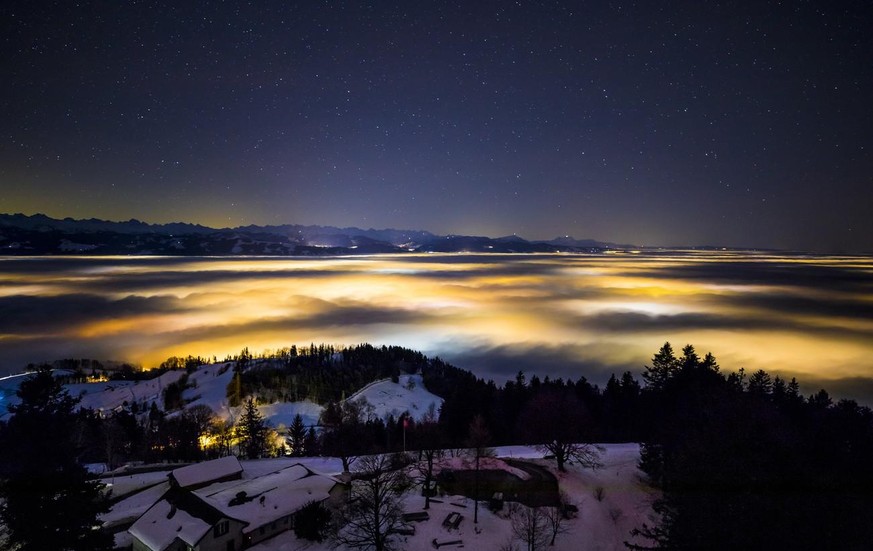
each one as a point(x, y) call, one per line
point(557, 422)
point(530, 525)
point(374, 509)
point(556, 516)
point(478, 439)
point(221, 432)
point(201, 416)
point(429, 439)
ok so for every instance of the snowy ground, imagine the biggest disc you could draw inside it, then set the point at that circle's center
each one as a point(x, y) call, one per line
point(408, 394)
point(602, 524)
point(209, 387)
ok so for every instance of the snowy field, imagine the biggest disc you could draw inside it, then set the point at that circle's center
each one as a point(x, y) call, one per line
point(602, 524)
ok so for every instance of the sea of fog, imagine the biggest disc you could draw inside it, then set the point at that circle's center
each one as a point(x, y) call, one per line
point(556, 315)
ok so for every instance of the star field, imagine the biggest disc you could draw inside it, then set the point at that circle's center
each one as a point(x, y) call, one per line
point(733, 123)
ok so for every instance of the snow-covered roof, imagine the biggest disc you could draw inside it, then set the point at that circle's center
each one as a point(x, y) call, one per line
point(269, 497)
point(163, 523)
point(207, 471)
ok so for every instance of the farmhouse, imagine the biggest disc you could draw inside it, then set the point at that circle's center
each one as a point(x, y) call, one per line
point(222, 514)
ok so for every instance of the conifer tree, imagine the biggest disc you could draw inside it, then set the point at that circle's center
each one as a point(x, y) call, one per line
point(48, 499)
point(297, 436)
point(664, 365)
point(252, 431)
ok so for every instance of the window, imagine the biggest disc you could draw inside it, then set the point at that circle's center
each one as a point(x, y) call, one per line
point(221, 528)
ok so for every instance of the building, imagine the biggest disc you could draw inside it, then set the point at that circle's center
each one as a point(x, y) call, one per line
point(203, 474)
point(200, 513)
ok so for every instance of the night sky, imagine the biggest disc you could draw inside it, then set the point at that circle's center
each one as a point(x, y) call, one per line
point(652, 123)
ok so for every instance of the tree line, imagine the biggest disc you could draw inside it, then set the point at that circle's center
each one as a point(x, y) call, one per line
point(742, 461)
point(750, 463)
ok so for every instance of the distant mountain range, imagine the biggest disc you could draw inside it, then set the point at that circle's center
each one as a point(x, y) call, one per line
point(42, 235)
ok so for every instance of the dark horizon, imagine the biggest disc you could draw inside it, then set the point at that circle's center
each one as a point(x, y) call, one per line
point(601, 241)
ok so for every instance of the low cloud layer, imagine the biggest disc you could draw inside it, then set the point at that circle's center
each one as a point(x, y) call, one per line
point(555, 315)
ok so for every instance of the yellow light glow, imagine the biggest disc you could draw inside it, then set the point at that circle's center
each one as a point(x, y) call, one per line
point(450, 303)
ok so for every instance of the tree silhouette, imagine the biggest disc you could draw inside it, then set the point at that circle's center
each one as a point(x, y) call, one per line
point(374, 510)
point(754, 466)
point(297, 436)
point(530, 525)
point(430, 441)
point(478, 439)
point(556, 421)
point(252, 431)
point(664, 365)
point(344, 434)
point(49, 501)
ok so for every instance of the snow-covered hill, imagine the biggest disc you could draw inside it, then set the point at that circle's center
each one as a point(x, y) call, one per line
point(387, 398)
point(208, 386)
point(408, 394)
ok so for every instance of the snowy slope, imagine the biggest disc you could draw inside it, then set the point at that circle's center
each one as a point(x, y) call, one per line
point(390, 398)
point(110, 395)
point(8, 388)
point(104, 396)
point(210, 387)
point(281, 414)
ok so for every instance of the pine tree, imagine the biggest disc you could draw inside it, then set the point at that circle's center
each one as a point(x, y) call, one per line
point(664, 365)
point(310, 443)
point(252, 431)
point(760, 384)
point(297, 436)
point(49, 500)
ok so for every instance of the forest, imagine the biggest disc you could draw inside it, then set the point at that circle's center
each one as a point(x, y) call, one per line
point(742, 461)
